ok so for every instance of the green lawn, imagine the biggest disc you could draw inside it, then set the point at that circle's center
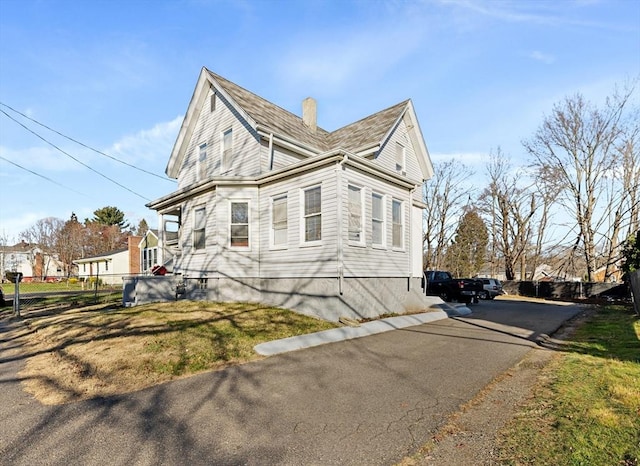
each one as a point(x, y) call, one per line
point(586, 409)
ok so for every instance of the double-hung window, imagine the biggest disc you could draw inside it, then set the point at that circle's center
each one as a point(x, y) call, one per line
point(279, 220)
point(227, 149)
point(239, 224)
point(312, 214)
point(356, 234)
point(398, 224)
point(377, 220)
point(199, 228)
point(201, 165)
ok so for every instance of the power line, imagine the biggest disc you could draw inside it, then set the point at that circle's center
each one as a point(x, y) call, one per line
point(42, 176)
point(73, 158)
point(84, 145)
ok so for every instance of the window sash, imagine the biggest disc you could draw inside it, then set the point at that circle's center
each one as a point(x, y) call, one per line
point(312, 214)
point(239, 224)
point(396, 219)
point(199, 228)
point(355, 214)
point(377, 219)
point(279, 220)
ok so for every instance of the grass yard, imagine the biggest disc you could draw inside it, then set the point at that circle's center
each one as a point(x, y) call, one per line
point(84, 352)
point(586, 408)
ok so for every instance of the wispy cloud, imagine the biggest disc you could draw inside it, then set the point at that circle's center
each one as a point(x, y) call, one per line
point(148, 144)
point(336, 58)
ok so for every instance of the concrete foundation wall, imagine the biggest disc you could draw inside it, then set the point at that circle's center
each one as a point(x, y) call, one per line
point(325, 298)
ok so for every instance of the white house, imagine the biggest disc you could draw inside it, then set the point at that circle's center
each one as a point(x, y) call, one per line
point(272, 208)
point(113, 266)
point(31, 261)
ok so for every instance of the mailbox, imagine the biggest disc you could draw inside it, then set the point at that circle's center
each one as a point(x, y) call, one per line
point(13, 276)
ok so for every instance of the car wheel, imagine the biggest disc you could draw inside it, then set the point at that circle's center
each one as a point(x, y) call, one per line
point(444, 296)
point(484, 295)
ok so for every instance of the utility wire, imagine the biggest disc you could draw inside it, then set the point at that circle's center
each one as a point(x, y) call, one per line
point(84, 145)
point(42, 176)
point(72, 157)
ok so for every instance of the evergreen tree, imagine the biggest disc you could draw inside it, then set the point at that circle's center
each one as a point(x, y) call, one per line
point(143, 227)
point(631, 253)
point(466, 254)
point(110, 216)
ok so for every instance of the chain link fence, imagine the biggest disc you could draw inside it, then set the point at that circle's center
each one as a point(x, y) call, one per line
point(26, 295)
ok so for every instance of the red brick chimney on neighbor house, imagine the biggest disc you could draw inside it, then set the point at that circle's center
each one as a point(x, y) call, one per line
point(134, 253)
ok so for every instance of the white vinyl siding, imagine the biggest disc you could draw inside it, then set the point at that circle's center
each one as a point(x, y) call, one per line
point(227, 150)
point(355, 215)
point(312, 215)
point(199, 228)
point(378, 228)
point(397, 221)
point(239, 224)
point(390, 157)
point(279, 221)
point(209, 129)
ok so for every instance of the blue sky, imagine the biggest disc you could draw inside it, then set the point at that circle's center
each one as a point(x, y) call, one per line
point(118, 75)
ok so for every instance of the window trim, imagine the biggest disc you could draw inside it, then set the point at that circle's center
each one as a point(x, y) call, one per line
point(361, 241)
point(248, 224)
point(383, 221)
point(195, 249)
point(272, 236)
point(304, 216)
point(402, 225)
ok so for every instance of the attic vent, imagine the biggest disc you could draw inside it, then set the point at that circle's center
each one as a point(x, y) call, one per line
point(309, 113)
point(213, 102)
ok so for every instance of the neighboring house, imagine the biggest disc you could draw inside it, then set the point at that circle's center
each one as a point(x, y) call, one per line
point(148, 246)
point(31, 261)
point(111, 267)
point(272, 208)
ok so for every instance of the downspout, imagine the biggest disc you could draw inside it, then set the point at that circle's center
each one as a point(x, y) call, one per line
point(339, 242)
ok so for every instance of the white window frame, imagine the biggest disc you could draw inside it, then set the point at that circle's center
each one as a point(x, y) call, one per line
point(394, 224)
point(272, 229)
point(304, 216)
point(201, 162)
point(226, 153)
point(248, 224)
point(401, 159)
point(382, 221)
point(360, 241)
point(197, 228)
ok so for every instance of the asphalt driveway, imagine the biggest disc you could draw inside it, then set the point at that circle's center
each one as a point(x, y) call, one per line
point(370, 400)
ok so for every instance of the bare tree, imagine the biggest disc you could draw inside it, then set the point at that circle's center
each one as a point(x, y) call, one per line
point(576, 145)
point(43, 234)
point(510, 208)
point(445, 195)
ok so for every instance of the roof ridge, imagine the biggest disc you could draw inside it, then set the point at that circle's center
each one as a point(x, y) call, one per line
point(222, 78)
point(399, 104)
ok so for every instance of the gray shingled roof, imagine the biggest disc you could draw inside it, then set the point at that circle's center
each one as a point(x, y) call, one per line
point(365, 132)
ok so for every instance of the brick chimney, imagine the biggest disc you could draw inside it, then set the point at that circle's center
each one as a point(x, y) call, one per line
point(309, 113)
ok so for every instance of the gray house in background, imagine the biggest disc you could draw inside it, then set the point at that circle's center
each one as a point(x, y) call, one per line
point(272, 208)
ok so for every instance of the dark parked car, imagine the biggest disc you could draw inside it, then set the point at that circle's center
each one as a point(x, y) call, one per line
point(492, 288)
point(441, 283)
